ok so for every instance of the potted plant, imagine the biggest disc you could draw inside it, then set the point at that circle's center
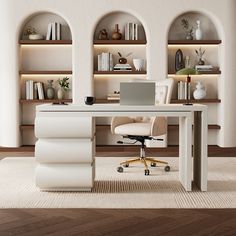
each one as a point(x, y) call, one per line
point(63, 87)
point(187, 28)
point(200, 54)
point(32, 34)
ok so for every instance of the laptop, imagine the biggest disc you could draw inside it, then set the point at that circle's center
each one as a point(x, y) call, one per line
point(137, 93)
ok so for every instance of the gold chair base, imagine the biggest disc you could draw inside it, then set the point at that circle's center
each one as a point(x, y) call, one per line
point(143, 160)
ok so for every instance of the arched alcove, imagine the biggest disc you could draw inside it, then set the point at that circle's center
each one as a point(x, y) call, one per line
point(107, 82)
point(209, 31)
point(134, 45)
point(39, 62)
point(122, 18)
point(210, 77)
point(40, 22)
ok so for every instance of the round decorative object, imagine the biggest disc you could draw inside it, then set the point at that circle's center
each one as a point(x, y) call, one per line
point(60, 93)
point(50, 90)
point(179, 60)
point(138, 64)
point(35, 36)
point(89, 100)
point(116, 35)
point(122, 60)
point(199, 92)
point(189, 36)
point(198, 32)
point(201, 61)
point(146, 172)
point(103, 35)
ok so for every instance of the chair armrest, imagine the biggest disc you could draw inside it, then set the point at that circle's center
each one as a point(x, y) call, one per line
point(159, 126)
point(116, 121)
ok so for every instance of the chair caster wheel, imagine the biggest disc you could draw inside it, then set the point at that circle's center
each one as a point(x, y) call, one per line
point(153, 164)
point(167, 168)
point(120, 169)
point(146, 172)
point(126, 165)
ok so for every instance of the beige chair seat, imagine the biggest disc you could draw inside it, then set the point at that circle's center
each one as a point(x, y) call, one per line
point(142, 129)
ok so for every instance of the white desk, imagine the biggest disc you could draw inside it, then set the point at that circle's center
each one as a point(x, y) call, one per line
point(65, 124)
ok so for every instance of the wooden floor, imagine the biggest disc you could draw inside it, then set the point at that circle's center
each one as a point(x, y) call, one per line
point(65, 222)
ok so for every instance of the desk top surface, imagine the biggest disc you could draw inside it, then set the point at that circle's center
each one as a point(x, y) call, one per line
point(120, 108)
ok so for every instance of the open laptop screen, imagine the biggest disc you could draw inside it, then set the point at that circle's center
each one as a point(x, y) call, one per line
point(137, 93)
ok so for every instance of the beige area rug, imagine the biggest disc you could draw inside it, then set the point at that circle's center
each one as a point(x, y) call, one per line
point(130, 189)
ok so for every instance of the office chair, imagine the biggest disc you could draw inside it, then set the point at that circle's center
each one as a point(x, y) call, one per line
point(141, 129)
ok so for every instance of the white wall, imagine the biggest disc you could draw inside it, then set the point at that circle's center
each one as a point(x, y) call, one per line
point(82, 16)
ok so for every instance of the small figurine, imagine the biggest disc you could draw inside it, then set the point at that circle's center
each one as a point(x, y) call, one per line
point(103, 35)
point(123, 60)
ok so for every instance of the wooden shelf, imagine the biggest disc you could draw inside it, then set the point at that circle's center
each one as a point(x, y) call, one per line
point(112, 42)
point(26, 127)
point(212, 72)
point(170, 127)
point(45, 72)
point(46, 101)
point(45, 42)
point(104, 100)
point(212, 127)
point(189, 42)
point(120, 72)
point(196, 101)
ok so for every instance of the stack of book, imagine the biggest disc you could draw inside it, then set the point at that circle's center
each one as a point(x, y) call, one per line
point(122, 67)
point(131, 31)
point(105, 62)
point(184, 90)
point(113, 96)
point(34, 90)
point(204, 67)
point(54, 31)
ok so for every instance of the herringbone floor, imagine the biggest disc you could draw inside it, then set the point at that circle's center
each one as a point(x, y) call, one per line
point(65, 222)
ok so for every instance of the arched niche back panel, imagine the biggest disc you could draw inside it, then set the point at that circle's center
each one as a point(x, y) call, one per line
point(40, 21)
point(108, 22)
point(177, 32)
point(42, 63)
point(107, 81)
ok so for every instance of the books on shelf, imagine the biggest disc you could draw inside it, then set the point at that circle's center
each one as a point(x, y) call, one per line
point(184, 90)
point(122, 67)
point(131, 31)
point(34, 90)
point(54, 31)
point(113, 96)
point(105, 61)
point(204, 67)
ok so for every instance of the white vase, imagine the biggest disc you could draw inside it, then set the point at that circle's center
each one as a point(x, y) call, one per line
point(138, 64)
point(198, 33)
point(60, 93)
point(199, 92)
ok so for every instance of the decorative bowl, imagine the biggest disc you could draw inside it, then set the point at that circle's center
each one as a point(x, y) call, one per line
point(138, 64)
point(35, 36)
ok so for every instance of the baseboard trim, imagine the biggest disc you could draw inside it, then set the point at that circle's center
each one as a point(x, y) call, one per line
point(129, 150)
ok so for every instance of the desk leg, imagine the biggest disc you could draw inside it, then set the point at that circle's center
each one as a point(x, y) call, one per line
point(185, 156)
point(200, 150)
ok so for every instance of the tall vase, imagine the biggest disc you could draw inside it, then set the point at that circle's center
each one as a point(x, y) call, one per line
point(198, 33)
point(60, 93)
point(116, 35)
point(50, 90)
